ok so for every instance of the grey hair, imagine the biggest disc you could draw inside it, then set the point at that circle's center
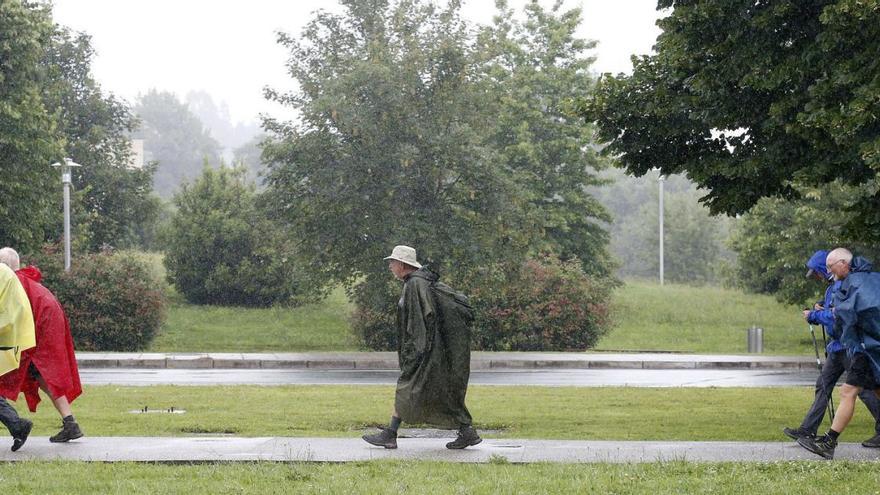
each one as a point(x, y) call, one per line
point(10, 258)
point(839, 254)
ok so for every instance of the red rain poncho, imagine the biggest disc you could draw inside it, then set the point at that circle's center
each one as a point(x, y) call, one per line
point(53, 356)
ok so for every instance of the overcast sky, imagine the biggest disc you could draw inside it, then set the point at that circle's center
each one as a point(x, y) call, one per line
point(228, 48)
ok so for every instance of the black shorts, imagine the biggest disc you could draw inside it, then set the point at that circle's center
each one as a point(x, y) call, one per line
point(860, 373)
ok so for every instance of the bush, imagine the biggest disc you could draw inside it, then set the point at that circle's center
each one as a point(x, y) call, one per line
point(112, 300)
point(541, 305)
point(220, 249)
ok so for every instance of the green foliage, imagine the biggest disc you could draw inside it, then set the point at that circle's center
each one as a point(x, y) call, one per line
point(220, 248)
point(112, 300)
point(752, 99)
point(174, 138)
point(414, 130)
point(545, 305)
point(532, 70)
point(776, 238)
point(114, 204)
point(50, 108)
point(694, 251)
point(29, 137)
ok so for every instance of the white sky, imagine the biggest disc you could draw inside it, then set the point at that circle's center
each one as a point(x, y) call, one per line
point(228, 48)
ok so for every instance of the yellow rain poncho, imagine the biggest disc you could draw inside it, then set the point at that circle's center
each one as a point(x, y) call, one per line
point(16, 321)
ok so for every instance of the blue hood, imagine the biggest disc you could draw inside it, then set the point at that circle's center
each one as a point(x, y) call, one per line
point(816, 264)
point(859, 264)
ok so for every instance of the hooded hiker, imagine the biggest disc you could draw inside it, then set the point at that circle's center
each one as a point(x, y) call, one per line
point(16, 336)
point(433, 349)
point(51, 365)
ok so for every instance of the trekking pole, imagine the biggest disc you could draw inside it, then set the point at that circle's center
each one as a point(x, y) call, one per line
point(819, 365)
point(830, 397)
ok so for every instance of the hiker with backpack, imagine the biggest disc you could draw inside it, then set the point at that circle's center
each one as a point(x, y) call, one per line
point(433, 349)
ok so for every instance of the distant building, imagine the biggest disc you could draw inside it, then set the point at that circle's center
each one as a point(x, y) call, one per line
point(136, 159)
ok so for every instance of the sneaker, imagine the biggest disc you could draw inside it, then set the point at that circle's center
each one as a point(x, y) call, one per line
point(823, 446)
point(69, 431)
point(20, 436)
point(797, 433)
point(385, 438)
point(873, 442)
point(466, 437)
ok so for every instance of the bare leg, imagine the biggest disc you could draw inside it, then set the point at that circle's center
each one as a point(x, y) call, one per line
point(61, 404)
point(844, 413)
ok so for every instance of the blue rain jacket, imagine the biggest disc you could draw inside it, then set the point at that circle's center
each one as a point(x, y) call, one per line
point(825, 317)
point(857, 312)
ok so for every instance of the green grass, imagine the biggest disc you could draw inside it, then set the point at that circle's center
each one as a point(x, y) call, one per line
point(322, 326)
point(647, 317)
point(746, 414)
point(379, 477)
point(702, 320)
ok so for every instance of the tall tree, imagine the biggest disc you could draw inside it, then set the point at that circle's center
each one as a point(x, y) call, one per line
point(776, 237)
point(174, 138)
point(29, 138)
point(752, 98)
point(534, 69)
point(390, 147)
point(114, 200)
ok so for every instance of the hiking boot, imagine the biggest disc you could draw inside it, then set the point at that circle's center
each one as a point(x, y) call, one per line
point(385, 438)
point(466, 437)
point(873, 442)
point(20, 435)
point(797, 433)
point(69, 431)
point(823, 446)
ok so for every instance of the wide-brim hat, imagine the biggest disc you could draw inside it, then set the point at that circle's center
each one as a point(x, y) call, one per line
point(404, 254)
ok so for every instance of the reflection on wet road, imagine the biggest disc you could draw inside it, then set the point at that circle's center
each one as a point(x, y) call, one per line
point(548, 378)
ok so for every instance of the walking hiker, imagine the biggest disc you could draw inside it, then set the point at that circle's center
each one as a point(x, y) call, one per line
point(836, 360)
point(51, 365)
point(433, 349)
point(857, 322)
point(16, 336)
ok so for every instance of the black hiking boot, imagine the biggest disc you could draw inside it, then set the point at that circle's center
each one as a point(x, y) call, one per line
point(797, 433)
point(385, 438)
point(467, 436)
point(69, 431)
point(20, 435)
point(873, 442)
point(823, 446)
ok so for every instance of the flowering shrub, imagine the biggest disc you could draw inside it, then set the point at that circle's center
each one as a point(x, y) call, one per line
point(113, 300)
point(542, 305)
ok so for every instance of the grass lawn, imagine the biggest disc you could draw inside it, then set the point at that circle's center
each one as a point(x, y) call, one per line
point(381, 477)
point(647, 316)
point(702, 320)
point(747, 414)
point(322, 326)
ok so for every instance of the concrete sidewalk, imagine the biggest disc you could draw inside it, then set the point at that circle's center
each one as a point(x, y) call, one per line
point(283, 449)
point(479, 361)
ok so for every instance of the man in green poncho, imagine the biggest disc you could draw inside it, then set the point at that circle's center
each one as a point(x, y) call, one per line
point(433, 349)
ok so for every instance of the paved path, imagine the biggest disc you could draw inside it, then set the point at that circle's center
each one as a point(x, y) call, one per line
point(233, 449)
point(544, 377)
point(479, 361)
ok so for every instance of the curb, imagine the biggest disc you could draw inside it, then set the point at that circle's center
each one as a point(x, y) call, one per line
point(479, 361)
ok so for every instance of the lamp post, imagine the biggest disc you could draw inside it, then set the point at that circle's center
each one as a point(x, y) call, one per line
point(66, 181)
point(660, 181)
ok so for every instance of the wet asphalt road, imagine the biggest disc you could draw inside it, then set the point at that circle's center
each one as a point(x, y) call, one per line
point(547, 378)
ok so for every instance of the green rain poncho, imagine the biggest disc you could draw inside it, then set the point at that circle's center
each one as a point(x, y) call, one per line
point(433, 324)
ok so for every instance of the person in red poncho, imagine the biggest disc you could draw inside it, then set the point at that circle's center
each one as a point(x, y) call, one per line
point(51, 365)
